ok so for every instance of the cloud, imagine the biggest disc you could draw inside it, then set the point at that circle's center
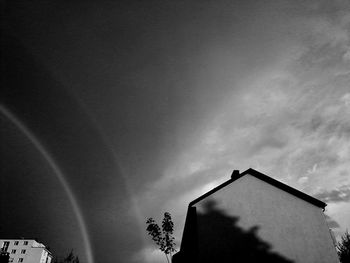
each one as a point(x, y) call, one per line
point(303, 180)
point(325, 31)
point(332, 120)
point(331, 222)
point(336, 195)
point(286, 112)
point(346, 56)
point(339, 212)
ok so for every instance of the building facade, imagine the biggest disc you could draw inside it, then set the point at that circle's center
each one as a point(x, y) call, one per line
point(255, 218)
point(26, 251)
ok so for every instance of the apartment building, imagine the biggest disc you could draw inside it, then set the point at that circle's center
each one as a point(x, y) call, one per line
point(25, 251)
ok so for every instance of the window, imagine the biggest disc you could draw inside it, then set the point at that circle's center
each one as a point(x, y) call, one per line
point(13, 251)
point(25, 243)
point(23, 251)
point(5, 246)
point(16, 243)
point(11, 260)
point(20, 260)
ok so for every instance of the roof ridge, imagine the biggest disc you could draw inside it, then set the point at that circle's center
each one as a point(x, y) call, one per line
point(267, 179)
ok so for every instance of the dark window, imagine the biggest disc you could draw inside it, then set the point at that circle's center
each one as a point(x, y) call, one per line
point(23, 251)
point(5, 246)
point(13, 251)
point(25, 243)
point(16, 243)
point(20, 260)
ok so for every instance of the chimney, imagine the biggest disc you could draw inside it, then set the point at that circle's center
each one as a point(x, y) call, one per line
point(235, 174)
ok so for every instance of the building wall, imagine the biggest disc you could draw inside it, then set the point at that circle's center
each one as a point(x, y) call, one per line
point(32, 252)
point(273, 221)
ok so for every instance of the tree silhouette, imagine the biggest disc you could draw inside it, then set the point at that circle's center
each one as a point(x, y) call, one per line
point(343, 248)
point(163, 238)
point(70, 258)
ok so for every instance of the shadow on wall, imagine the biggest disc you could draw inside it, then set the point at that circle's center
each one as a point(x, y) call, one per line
point(220, 239)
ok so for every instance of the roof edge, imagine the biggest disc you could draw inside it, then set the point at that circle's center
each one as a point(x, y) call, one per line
point(236, 175)
point(210, 192)
point(285, 187)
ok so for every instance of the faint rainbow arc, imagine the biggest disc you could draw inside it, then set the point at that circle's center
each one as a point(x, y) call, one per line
point(60, 176)
point(128, 189)
point(130, 193)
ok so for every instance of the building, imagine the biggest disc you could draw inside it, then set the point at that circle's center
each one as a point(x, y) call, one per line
point(255, 218)
point(25, 250)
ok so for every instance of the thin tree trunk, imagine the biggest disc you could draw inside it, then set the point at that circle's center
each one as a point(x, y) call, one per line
point(166, 257)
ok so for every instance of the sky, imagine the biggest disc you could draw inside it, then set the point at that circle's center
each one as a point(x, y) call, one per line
point(115, 111)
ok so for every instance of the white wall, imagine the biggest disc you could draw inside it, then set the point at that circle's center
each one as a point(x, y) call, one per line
point(293, 227)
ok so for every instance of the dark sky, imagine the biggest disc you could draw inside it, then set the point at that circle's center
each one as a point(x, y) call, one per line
point(115, 111)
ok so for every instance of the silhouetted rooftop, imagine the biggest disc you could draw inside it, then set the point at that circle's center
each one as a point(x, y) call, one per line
point(236, 175)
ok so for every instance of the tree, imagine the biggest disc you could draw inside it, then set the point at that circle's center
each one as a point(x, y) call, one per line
point(163, 238)
point(343, 248)
point(70, 258)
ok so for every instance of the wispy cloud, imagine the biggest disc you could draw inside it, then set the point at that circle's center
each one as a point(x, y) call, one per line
point(336, 195)
point(332, 223)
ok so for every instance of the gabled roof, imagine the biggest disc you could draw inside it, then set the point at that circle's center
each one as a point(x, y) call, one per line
point(236, 175)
